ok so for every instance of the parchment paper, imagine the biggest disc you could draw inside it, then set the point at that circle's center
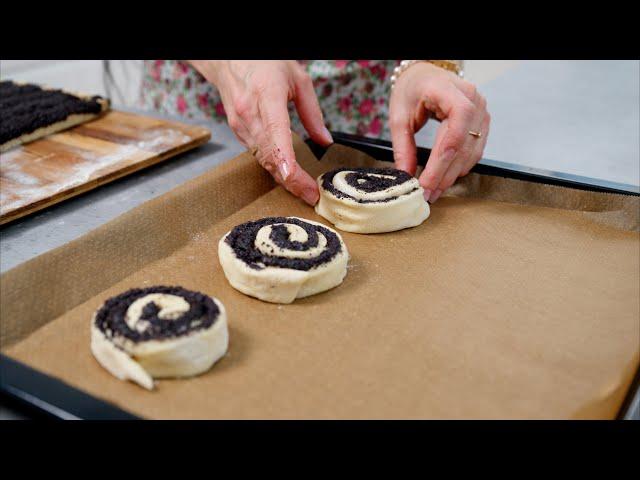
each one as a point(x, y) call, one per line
point(513, 300)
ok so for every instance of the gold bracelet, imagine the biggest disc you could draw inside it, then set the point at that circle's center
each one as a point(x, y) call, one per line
point(454, 66)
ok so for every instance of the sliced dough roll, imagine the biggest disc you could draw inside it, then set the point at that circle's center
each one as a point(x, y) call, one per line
point(371, 200)
point(279, 259)
point(159, 332)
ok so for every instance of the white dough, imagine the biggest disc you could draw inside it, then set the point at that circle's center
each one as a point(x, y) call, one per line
point(284, 285)
point(181, 356)
point(407, 210)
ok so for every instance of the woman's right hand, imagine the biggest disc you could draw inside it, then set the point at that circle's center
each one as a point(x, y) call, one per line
point(255, 95)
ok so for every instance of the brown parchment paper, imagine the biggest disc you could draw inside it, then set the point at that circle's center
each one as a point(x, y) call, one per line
point(513, 300)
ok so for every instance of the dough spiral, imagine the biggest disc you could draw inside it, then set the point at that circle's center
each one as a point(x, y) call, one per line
point(371, 200)
point(157, 332)
point(279, 259)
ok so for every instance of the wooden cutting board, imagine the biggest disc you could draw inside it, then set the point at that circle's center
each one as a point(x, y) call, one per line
point(65, 164)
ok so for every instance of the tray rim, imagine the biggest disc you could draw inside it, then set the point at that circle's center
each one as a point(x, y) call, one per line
point(382, 150)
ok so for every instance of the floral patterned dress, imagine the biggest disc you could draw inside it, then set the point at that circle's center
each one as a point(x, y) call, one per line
point(353, 94)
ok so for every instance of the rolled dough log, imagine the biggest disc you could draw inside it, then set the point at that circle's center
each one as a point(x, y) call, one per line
point(30, 112)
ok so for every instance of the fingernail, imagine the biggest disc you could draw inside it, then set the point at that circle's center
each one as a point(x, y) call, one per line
point(283, 168)
point(448, 155)
point(427, 194)
point(327, 135)
point(436, 196)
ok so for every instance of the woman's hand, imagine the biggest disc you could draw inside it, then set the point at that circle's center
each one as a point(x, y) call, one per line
point(255, 95)
point(424, 90)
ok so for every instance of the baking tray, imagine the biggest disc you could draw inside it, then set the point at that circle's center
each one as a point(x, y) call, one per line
point(38, 394)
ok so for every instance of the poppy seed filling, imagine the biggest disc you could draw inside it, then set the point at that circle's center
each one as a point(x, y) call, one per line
point(110, 319)
point(242, 241)
point(26, 108)
point(363, 180)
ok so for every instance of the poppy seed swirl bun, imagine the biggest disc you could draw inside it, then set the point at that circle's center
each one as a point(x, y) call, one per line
point(371, 200)
point(279, 259)
point(159, 332)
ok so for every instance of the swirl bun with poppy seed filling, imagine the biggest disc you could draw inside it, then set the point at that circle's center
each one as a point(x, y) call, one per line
point(159, 332)
point(371, 200)
point(279, 259)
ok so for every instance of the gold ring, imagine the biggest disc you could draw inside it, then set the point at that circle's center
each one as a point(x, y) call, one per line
point(475, 134)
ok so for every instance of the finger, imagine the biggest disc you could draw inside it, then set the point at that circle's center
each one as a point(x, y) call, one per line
point(480, 145)
point(467, 88)
point(301, 184)
point(278, 146)
point(459, 113)
point(467, 154)
point(278, 178)
point(449, 178)
point(239, 129)
point(474, 146)
point(402, 138)
point(308, 108)
point(434, 171)
point(235, 122)
point(245, 120)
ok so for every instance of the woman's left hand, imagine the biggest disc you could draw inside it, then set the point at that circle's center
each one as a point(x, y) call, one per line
point(424, 90)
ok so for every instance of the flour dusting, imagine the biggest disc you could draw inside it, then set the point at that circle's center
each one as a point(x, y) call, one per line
point(161, 138)
point(22, 184)
point(25, 188)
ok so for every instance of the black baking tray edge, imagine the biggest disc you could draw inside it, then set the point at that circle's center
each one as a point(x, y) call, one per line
point(382, 150)
point(42, 396)
point(38, 395)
